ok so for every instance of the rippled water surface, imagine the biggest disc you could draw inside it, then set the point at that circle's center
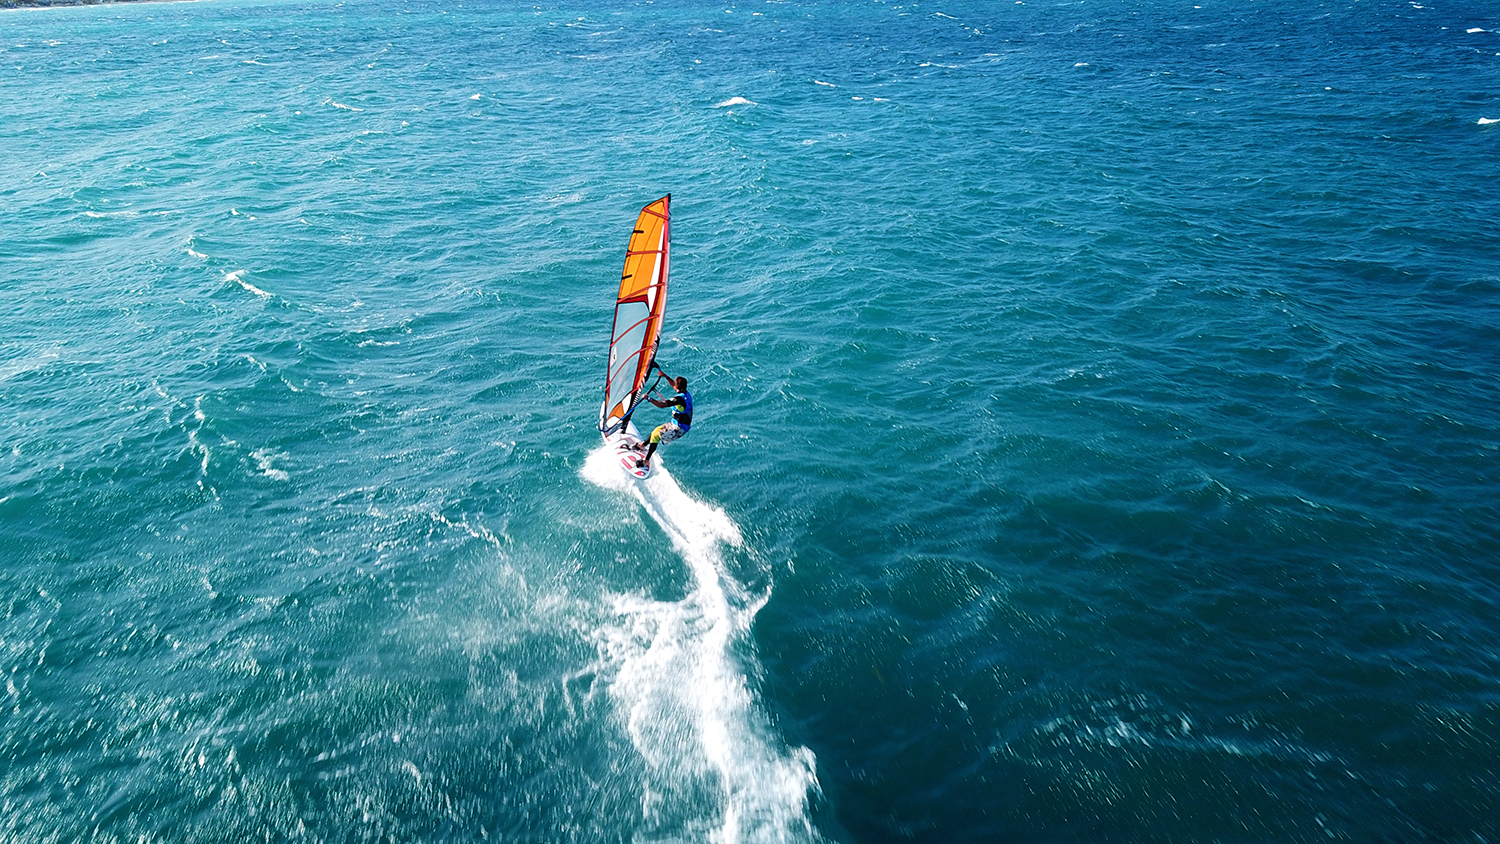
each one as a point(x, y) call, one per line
point(1098, 416)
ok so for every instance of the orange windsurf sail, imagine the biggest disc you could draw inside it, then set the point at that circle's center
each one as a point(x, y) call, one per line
point(638, 314)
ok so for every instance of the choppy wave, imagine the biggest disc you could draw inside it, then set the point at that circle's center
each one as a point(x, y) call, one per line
point(238, 277)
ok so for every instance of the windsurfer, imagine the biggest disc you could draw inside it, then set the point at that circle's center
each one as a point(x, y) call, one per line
point(681, 421)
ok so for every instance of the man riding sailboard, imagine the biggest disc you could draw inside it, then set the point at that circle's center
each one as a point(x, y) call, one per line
point(674, 428)
point(634, 339)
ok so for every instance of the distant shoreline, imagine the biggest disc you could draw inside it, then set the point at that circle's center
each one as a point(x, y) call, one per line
point(42, 4)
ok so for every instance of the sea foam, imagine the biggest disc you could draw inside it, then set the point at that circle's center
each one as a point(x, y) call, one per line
point(238, 277)
point(686, 699)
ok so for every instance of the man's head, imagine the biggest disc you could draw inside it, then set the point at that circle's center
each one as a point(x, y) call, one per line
point(680, 384)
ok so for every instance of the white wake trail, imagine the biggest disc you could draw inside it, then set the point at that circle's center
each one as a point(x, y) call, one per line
point(717, 770)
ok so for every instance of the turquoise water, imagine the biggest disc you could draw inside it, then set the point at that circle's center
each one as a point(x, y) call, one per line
point(1098, 415)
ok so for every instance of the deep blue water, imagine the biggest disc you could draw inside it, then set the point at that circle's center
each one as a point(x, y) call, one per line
point(1097, 432)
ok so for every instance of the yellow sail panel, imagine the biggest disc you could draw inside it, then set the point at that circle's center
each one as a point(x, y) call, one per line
point(638, 315)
